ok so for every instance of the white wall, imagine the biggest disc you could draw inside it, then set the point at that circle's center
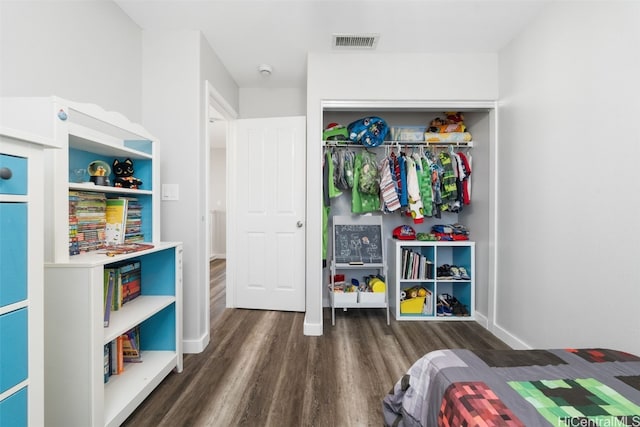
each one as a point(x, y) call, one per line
point(394, 78)
point(176, 65)
point(272, 102)
point(171, 112)
point(81, 51)
point(569, 206)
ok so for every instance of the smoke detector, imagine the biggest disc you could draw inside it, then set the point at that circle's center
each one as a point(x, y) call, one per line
point(355, 41)
point(265, 70)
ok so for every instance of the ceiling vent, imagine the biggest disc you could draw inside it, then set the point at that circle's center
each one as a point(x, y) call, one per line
point(355, 41)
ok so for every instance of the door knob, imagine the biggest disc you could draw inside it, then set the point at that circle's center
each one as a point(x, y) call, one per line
point(299, 224)
point(5, 173)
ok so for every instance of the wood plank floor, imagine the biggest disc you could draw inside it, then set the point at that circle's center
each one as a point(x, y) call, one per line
point(260, 370)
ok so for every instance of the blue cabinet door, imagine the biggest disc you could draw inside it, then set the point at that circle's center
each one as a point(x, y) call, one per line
point(13, 409)
point(14, 358)
point(13, 252)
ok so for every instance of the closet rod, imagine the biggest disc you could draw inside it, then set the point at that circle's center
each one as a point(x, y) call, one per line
point(411, 144)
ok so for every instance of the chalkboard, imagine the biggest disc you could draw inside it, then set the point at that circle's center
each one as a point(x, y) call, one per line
point(357, 242)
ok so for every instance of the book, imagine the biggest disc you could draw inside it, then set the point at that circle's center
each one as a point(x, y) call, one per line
point(125, 248)
point(116, 221)
point(133, 227)
point(86, 221)
point(107, 362)
point(119, 355)
point(131, 288)
point(131, 346)
point(130, 281)
point(113, 356)
point(108, 297)
point(127, 277)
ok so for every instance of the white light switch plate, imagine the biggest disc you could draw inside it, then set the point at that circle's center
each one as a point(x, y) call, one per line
point(170, 192)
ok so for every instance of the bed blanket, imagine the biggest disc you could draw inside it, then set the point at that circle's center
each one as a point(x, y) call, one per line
point(560, 387)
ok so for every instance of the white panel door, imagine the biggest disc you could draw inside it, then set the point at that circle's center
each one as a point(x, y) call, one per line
point(270, 241)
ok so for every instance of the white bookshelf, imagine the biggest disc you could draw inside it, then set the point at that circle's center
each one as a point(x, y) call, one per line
point(74, 335)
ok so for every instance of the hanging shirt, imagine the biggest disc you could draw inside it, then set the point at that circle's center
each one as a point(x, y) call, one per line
point(362, 202)
point(424, 182)
point(387, 187)
point(413, 192)
point(397, 175)
point(448, 180)
point(402, 183)
point(331, 163)
point(466, 183)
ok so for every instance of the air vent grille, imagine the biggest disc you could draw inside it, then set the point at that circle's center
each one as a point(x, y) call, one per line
point(355, 41)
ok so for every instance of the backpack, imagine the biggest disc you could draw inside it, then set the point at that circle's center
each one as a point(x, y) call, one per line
point(369, 131)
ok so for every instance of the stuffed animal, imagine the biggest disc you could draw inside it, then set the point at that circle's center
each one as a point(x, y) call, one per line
point(435, 125)
point(454, 117)
point(124, 174)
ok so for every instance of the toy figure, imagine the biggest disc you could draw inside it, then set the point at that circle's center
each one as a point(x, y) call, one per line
point(124, 174)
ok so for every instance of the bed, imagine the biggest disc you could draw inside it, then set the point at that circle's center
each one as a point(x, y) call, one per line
point(560, 387)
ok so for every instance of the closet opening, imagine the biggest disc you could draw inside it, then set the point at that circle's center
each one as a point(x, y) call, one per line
point(478, 217)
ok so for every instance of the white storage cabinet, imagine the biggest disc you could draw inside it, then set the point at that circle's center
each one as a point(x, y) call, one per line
point(21, 278)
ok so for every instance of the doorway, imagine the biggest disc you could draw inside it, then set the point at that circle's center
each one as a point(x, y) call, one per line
point(217, 116)
point(217, 189)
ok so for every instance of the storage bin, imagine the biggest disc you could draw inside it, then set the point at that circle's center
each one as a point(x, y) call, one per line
point(344, 298)
point(408, 133)
point(371, 297)
point(412, 305)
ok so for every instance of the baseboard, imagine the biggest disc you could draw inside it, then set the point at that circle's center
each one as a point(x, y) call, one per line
point(501, 333)
point(482, 320)
point(512, 340)
point(217, 256)
point(312, 329)
point(195, 346)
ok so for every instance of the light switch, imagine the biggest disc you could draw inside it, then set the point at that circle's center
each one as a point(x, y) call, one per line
point(170, 192)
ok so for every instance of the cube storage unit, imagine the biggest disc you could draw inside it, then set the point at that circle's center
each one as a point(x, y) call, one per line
point(406, 274)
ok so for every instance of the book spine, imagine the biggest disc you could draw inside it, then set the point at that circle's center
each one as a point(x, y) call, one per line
point(120, 355)
point(107, 370)
point(108, 300)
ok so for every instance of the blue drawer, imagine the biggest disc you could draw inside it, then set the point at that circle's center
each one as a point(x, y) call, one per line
point(13, 252)
point(17, 184)
point(13, 349)
point(13, 409)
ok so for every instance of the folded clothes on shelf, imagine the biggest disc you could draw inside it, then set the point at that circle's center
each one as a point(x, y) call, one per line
point(450, 232)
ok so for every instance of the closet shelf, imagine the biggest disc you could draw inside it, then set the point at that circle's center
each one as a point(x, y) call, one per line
point(413, 144)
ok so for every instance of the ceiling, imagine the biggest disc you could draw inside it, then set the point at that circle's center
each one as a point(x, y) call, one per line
point(245, 34)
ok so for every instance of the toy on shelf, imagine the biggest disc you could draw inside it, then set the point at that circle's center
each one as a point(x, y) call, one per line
point(454, 117)
point(124, 174)
point(416, 300)
point(99, 172)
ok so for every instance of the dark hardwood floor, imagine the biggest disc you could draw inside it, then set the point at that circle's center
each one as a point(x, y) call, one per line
point(260, 370)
